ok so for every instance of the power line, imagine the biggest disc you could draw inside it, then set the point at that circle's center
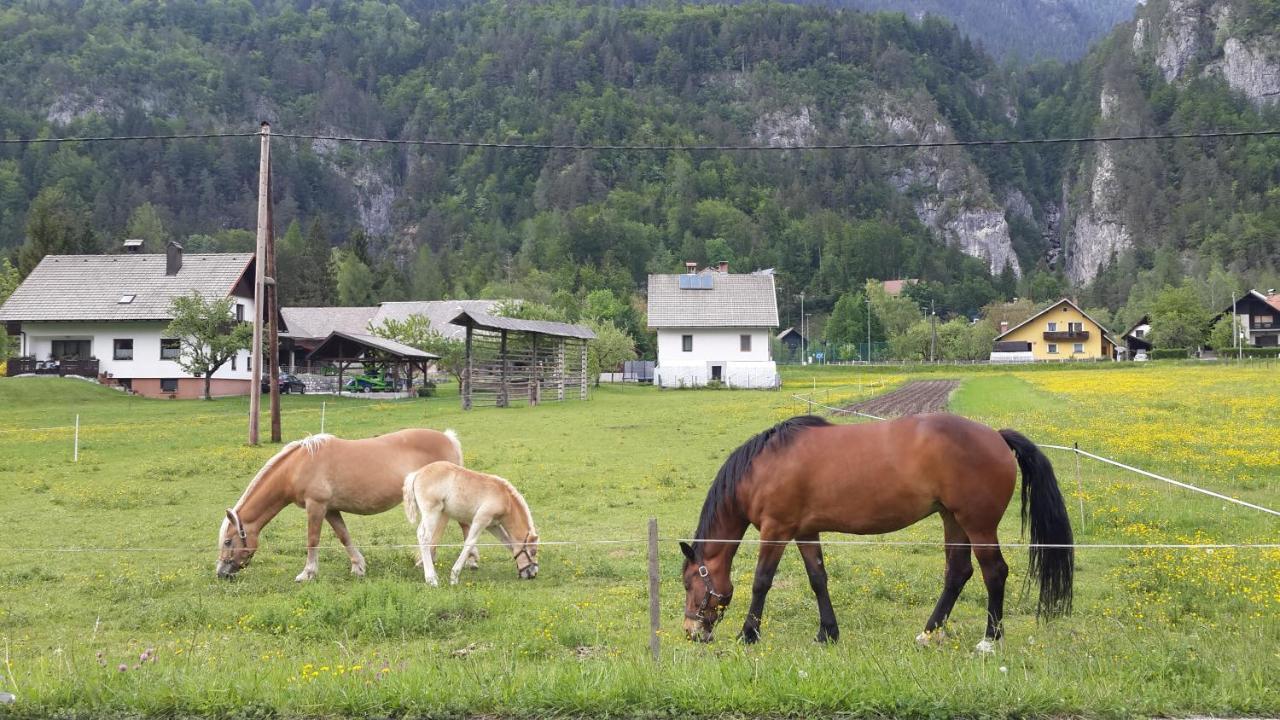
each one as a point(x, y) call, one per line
point(640, 147)
point(122, 138)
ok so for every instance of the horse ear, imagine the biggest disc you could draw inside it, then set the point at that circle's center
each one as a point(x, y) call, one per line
point(687, 549)
point(231, 515)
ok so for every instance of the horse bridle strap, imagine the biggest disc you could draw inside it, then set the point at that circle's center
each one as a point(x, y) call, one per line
point(524, 550)
point(239, 525)
point(706, 599)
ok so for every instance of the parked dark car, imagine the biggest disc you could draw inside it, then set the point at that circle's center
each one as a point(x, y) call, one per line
point(289, 383)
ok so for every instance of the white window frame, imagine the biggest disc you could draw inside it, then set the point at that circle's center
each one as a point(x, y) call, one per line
point(1053, 348)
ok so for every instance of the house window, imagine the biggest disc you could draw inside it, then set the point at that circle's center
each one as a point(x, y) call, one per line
point(1053, 348)
point(1053, 327)
point(686, 343)
point(1139, 333)
point(239, 312)
point(169, 385)
point(233, 360)
point(122, 349)
point(744, 341)
point(1078, 348)
point(1075, 327)
point(71, 350)
point(170, 349)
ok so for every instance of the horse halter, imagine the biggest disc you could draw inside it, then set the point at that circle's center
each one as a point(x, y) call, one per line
point(524, 550)
point(235, 517)
point(701, 616)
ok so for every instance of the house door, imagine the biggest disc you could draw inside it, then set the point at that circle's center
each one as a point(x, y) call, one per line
point(717, 373)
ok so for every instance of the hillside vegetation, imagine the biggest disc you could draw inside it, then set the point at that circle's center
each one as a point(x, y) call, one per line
point(977, 224)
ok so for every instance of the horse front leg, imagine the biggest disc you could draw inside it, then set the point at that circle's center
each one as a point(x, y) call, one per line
point(344, 536)
point(473, 560)
point(771, 549)
point(478, 524)
point(811, 551)
point(315, 517)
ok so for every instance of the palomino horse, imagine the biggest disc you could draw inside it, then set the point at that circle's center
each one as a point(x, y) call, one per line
point(486, 502)
point(328, 476)
point(805, 476)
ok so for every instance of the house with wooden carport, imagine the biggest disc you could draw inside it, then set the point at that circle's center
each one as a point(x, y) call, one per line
point(1061, 331)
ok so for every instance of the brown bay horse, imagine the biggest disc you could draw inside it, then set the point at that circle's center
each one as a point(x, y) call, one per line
point(805, 476)
point(327, 476)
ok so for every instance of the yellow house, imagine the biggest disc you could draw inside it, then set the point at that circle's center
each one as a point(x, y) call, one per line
point(1061, 331)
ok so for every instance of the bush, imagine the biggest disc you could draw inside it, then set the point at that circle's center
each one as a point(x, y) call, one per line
point(1170, 354)
point(427, 389)
point(1256, 352)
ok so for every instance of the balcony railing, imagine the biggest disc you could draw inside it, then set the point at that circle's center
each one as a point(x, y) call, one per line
point(29, 365)
point(1066, 335)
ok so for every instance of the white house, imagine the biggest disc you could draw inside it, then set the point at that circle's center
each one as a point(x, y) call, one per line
point(112, 309)
point(714, 326)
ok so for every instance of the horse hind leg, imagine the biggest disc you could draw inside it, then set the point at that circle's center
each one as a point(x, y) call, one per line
point(344, 536)
point(429, 528)
point(959, 570)
point(811, 551)
point(994, 572)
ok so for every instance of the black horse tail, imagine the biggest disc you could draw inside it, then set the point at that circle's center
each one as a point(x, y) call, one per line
point(1053, 558)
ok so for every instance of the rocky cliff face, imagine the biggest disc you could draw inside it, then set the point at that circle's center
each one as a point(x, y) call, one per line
point(375, 192)
point(1203, 37)
point(950, 195)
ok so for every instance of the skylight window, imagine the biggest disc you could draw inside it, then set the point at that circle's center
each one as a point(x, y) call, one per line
point(126, 299)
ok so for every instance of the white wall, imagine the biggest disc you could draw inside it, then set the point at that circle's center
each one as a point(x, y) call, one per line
point(146, 362)
point(715, 346)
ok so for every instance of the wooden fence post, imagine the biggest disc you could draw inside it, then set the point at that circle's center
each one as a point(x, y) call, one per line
point(654, 608)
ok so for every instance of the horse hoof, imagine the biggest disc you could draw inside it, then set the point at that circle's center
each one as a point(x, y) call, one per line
point(750, 636)
point(827, 637)
point(929, 637)
point(986, 647)
point(305, 575)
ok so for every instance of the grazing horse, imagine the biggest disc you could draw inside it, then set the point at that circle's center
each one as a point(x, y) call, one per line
point(328, 476)
point(805, 476)
point(443, 490)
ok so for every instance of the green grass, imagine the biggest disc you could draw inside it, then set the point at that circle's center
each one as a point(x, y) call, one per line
point(104, 559)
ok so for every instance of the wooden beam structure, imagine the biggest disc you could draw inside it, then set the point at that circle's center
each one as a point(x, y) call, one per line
point(510, 362)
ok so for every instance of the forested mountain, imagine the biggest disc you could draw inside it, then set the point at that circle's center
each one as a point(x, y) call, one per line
point(977, 224)
point(1021, 30)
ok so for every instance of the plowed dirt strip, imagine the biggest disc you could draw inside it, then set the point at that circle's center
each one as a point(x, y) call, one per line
point(916, 397)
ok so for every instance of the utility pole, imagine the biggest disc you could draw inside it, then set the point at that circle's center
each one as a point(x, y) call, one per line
point(804, 334)
point(933, 331)
point(868, 328)
point(273, 310)
point(259, 278)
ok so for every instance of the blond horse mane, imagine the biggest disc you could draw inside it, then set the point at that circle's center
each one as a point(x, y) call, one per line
point(311, 443)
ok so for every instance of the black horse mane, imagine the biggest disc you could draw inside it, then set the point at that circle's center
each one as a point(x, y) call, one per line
point(724, 490)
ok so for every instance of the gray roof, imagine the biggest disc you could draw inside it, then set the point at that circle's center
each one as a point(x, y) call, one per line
point(544, 327)
point(440, 312)
point(319, 322)
point(743, 300)
point(374, 342)
point(90, 287)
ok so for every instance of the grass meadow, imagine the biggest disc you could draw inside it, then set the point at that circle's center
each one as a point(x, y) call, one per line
point(109, 605)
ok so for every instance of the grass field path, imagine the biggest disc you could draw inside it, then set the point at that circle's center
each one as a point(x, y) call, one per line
point(920, 396)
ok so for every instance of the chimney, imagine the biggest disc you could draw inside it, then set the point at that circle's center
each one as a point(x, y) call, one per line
point(723, 266)
point(691, 267)
point(173, 258)
point(1004, 326)
point(133, 245)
